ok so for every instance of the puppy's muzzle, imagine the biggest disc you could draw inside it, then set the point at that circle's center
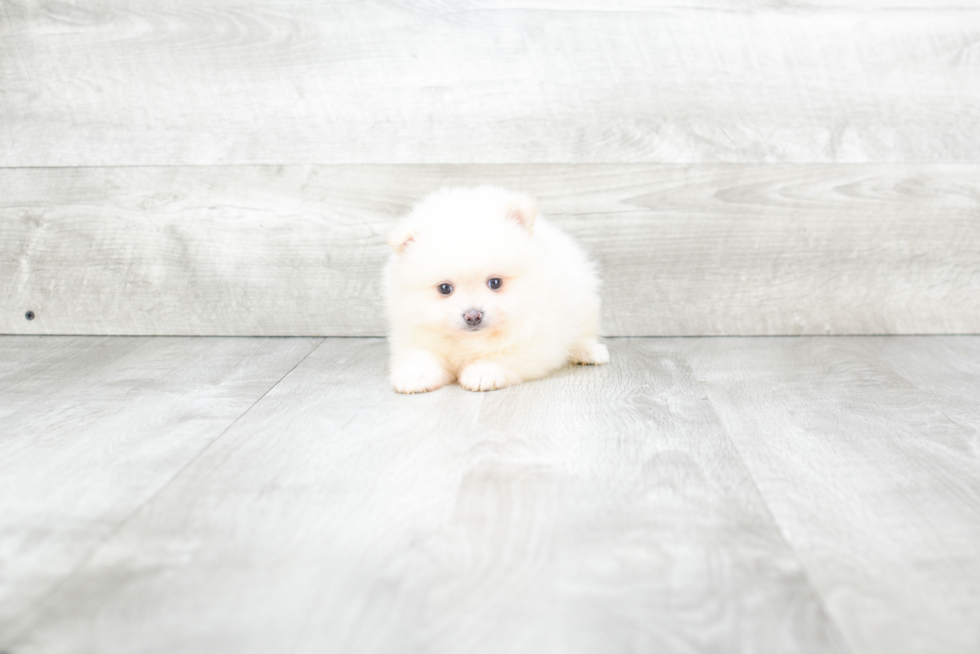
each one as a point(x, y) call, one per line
point(473, 318)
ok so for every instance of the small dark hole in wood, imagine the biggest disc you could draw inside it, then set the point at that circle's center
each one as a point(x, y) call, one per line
point(30, 316)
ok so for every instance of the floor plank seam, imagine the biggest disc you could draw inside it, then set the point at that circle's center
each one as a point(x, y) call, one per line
point(18, 633)
point(838, 633)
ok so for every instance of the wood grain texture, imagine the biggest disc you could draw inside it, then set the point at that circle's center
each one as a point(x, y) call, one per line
point(602, 509)
point(867, 451)
point(266, 82)
point(92, 428)
point(685, 250)
point(953, 389)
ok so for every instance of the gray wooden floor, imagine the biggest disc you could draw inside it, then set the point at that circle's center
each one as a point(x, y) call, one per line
point(814, 494)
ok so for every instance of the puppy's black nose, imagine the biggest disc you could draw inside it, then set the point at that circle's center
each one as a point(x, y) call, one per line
point(473, 317)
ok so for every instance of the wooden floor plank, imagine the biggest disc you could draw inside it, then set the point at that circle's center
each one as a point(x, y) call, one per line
point(92, 428)
point(430, 81)
point(685, 250)
point(946, 368)
point(601, 509)
point(868, 453)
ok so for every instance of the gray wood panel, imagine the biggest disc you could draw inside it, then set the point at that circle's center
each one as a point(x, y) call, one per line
point(92, 428)
point(685, 250)
point(599, 510)
point(182, 82)
point(867, 451)
point(954, 389)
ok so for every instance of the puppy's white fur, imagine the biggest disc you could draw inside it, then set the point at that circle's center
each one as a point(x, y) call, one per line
point(544, 315)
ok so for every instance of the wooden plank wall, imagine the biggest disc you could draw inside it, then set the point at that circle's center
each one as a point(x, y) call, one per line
point(737, 167)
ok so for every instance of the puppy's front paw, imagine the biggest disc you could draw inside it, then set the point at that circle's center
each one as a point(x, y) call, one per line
point(418, 380)
point(487, 376)
point(592, 354)
point(417, 372)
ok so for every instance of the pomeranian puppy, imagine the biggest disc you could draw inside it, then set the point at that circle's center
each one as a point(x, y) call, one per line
point(483, 291)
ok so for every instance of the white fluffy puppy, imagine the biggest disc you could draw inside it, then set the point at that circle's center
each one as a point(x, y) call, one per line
point(483, 291)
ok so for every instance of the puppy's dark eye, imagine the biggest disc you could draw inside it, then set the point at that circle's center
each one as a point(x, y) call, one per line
point(445, 289)
point(494, 283)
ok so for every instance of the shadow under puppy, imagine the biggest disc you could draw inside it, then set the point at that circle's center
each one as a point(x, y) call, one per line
point(483, 291)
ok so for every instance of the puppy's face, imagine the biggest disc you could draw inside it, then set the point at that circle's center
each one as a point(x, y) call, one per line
point(461, 266)
point(470, 304)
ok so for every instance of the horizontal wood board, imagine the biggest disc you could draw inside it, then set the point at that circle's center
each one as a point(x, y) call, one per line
point(599, 510)
point(867, 451)
point(685, 250)
point(270, 82)
point(91, 429)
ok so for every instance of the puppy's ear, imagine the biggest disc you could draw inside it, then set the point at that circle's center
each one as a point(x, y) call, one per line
point(523, 209)
point(400, 236)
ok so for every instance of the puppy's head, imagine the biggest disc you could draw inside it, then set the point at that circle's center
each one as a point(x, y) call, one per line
point(463, 262)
